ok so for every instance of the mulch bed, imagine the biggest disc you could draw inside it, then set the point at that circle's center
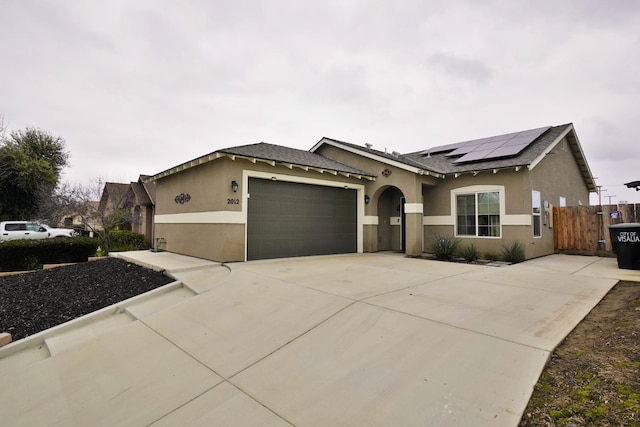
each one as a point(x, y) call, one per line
point(33, 302)
point(593, 377)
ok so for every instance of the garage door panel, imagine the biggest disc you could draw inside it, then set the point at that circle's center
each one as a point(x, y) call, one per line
point(290, 219)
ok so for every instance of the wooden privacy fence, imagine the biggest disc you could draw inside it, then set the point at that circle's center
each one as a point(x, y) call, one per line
point(585, 229)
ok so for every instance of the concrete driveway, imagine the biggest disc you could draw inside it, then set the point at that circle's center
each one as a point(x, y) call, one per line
point(366, 339)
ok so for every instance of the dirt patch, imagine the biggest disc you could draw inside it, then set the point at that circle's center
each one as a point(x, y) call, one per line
point(33, 302)
point(593, 377)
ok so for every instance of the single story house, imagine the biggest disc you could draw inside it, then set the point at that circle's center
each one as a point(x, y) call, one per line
point(263, 201)
point(136, 198)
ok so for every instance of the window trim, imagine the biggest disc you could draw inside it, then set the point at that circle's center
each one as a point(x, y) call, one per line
point(535, 215)
point(475, 189)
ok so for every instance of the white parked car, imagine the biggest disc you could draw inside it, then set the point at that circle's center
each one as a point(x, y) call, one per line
point(58, 232)
point(16, 230)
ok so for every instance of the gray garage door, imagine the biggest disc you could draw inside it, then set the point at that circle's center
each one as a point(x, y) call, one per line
point(288, 219)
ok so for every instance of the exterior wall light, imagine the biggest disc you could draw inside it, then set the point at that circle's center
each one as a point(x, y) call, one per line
point(234, 185)
point(367, 199)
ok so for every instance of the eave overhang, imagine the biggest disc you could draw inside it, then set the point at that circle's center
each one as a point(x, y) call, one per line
point(378, 158)
point(218, 154)
point(578, 154)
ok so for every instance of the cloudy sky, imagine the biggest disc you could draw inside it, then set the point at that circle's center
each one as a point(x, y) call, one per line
point(140, 86)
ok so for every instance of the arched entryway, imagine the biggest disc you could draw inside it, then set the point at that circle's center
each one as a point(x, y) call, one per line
point(391, 220)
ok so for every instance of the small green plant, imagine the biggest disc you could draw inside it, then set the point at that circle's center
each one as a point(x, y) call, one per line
point(125, 240)
point(629, 398)
point(445, 248)
point(470, 252)
point(583, 394)
point(513, 253)
point(561, 414)
point(596, 413)
point(491, 256)
point(628, 364)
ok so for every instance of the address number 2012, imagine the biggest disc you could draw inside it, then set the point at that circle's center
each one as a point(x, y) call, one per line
point(233, 201)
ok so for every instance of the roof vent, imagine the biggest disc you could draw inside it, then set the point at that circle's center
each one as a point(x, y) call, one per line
point(368, 145)
point(395, 154)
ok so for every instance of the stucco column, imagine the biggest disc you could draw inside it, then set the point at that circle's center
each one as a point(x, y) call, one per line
point(413, 228)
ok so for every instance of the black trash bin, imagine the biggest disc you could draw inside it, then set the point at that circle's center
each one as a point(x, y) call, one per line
point(625, 239)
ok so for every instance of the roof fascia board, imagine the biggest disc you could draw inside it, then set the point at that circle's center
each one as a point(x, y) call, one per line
point(592, 182)
point(589, 180)
point(550, 147)
point(364, 154)
point(213, 156)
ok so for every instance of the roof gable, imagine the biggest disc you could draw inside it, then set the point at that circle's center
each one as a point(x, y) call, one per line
point(286, 155)
point(273, 155)
point(114, 194)
point(395, 159)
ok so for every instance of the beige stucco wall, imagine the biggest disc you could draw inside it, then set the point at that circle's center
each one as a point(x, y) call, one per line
point(410, 185)
point(556, 175)
point(212, 225)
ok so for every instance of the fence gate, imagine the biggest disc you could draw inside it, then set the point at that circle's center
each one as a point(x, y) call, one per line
point(585, 229)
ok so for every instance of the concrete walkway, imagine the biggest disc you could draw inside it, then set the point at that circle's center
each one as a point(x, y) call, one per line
point(366, 339)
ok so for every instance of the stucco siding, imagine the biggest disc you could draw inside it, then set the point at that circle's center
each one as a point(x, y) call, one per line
point(557, 175)
point(217, 242)
point(211, 224)
point(440, 212)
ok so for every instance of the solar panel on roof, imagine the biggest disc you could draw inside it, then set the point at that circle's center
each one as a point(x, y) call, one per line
point(491, 145)
point(474, 155)
point(508, 144)
point(519, 140)
point(536, 131)
point(506, 151)
point(505, 145)
point(501, 138)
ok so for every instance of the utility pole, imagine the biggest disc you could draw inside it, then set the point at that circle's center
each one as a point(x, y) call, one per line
point(601, 240)
point(610, 197)
point(600, 190)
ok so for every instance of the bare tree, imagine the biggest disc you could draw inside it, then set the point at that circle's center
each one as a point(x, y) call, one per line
point(90, 209)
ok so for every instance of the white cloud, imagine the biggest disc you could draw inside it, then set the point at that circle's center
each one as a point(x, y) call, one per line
point(137, 87)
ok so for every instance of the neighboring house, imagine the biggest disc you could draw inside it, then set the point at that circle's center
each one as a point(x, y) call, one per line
point(267, 201)
point(84, 223)
point(137, 198)
point(142, 199)
point(114, 196)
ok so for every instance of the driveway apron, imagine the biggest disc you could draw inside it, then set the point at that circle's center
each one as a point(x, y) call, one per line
point(362, 339)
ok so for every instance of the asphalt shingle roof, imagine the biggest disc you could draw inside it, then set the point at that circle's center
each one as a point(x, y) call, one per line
point(439, 162)
point(280, 154)
point(401, 158)
point(142, 198)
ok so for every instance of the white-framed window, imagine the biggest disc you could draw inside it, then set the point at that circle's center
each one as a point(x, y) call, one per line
point(563, 202)
point(478, 214)
point(536, 203)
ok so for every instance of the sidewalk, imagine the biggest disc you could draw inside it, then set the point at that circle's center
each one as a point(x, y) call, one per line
point(363, 339)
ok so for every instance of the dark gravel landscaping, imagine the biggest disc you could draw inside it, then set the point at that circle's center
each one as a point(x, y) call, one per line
point(33, 302)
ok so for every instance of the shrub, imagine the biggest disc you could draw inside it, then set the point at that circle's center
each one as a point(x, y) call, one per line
point(491, 256)
point(31, 254)
point(124, 240)
point(445, 248)
point(513, 253)
point(469, 252)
